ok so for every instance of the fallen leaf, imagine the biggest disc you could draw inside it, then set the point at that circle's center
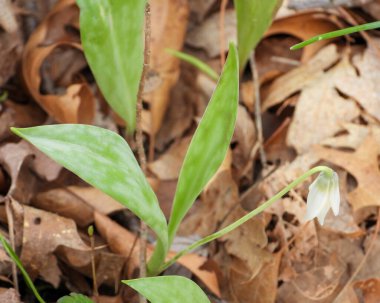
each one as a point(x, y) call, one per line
point(300, 77)
point(321, 107)
point(370, 289)
point(77, 203)
point(77, 104)
point(363, 85)
point(9, 295)
point(168, 166)
point(123, 242)
point(363, 165)
point(43, 232)
point(169, 18)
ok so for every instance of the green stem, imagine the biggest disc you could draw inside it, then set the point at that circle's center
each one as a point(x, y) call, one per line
point(248, 216)
point(338, 33)
point(15, 259)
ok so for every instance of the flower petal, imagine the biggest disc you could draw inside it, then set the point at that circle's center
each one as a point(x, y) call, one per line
point(315, 201)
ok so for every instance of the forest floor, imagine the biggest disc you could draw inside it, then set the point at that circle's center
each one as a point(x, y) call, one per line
point(319, 105)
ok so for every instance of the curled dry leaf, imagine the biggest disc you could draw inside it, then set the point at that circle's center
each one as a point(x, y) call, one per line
point(304, 26)
point(16, 161)
point(169, 18)
point(77, 104)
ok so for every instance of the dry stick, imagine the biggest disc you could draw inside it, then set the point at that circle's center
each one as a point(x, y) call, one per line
point(258, 120)
point(362, 262)
point(9, 215)
point(139, 138)
point(222, 33)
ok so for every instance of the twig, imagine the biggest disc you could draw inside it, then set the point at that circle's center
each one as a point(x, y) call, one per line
point(362, 262)
point(258, 120)
point(222, 33)
point(139, 138)
point(9, 215)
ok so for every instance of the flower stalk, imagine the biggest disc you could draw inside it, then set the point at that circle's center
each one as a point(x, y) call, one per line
point(318, 169)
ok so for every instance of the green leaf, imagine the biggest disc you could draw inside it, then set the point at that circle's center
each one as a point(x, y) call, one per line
point(210, 142)
point(103, 159)
point(338, 33)
point(24, 273)
point(196, 62)
point(168, 289)
point(75, 298)
point(253, 19)
point(112, 35)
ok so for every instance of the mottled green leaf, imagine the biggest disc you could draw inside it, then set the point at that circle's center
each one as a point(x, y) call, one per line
point(210, 142)
point(253, 19)
point(168, 289)
point(112, 34)
point(75, 298)
point(103, 159)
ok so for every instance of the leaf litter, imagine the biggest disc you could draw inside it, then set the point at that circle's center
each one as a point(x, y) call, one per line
point(319, 105)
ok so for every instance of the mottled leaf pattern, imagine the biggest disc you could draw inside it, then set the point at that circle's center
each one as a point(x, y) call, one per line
point(253, 19)
point(112, 34)
point(75, 298)
point(103, 159)
point(169, 289)
point(209, 145)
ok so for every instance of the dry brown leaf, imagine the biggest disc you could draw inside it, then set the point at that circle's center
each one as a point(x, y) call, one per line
point(180, 113)
point(301, 77)
point(320, 107)
point(363, 85)
point(355, 135)
point(262, 288)
point(16, 161)
point(363, 165)
point(9, 295)
point(167, 167)
point(10, 41)
point(318, 280)
point(19, 115)
point(206, 35)
point(77, 105)
point(370, 289)
point(169, 18)
point(43, 232)
point(122, 241)
point(247, 243)
point(217, 201)
point(303, 26)
point(244, 138)
point(77, 203)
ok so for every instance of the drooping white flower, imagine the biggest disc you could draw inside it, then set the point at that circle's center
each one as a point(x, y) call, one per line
point(323, 194)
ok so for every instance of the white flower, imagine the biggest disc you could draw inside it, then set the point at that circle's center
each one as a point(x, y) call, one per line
point(323, 194)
